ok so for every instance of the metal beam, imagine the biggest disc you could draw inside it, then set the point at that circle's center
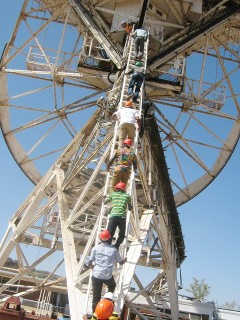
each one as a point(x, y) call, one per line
point(191, 35)
point(97, 33)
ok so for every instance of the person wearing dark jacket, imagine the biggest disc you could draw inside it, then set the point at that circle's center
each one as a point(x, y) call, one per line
point(138, 74)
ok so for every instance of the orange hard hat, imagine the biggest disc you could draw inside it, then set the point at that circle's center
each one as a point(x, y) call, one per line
point(128, 142)
point(105, 235)
point(120, 185)
point(128, 103)
point(104, 309)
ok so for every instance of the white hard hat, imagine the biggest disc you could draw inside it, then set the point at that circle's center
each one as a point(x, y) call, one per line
point(110, 296)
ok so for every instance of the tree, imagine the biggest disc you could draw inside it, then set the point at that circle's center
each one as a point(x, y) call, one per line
point(199, 289)
point(230, 306)
point(10, 263)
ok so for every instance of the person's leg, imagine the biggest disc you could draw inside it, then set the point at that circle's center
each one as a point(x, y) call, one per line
point(136, 46)
point(139, 82)
point(115, 178)
point(121, 222)
point(111, 284)
point(112, 226)
point(141, 47)
point(131, 85)
point(130, 131)
point(122, 133)
point(125, 176)
point(97, 290)
point(121, 176)
point(130, 88)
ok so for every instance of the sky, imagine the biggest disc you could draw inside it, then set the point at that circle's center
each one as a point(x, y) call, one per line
point(210, 222)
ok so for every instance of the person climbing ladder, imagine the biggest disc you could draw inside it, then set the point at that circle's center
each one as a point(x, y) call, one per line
point(102, 260)
point(125, 158)
point(121, 201)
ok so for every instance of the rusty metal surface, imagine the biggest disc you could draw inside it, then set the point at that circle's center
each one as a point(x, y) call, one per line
point(12, 310)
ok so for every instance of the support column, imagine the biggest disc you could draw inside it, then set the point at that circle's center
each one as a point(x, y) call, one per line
point(70, 257)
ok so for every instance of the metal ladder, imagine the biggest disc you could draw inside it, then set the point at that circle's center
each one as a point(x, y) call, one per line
point(123, 274)
point(132, 245)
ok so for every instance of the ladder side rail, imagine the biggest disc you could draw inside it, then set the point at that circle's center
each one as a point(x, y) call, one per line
point(124, 88)
point(132, 177)
point(119, 107)
point(132, 184)
point(126, 77)
point(111, 154)
point(134, 218)
point(142, 91)
point(132, 258)
point(127, 47)
point(98, 224)
point(133, 190)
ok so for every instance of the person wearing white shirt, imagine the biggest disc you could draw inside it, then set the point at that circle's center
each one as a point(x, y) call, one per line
point(128, 118)
point(136, 80)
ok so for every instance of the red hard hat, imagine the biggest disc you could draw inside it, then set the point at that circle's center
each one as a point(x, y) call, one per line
point(105, 235)
point(104, 309)
point(128, 142)
point(128, 103)
point(120, 185)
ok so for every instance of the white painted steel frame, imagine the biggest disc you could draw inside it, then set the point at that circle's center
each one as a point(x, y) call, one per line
point(52, 188)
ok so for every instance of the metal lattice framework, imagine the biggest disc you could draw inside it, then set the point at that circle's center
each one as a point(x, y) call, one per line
point(62, 57)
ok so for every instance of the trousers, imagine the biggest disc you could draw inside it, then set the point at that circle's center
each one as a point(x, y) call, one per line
point(119, 222)
point(120, 175)
point(126, 130)
point(136, 80)
point(97, 285)
point(139, 46)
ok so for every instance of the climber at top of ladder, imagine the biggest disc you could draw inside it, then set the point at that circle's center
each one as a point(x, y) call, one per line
point(136, 65)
